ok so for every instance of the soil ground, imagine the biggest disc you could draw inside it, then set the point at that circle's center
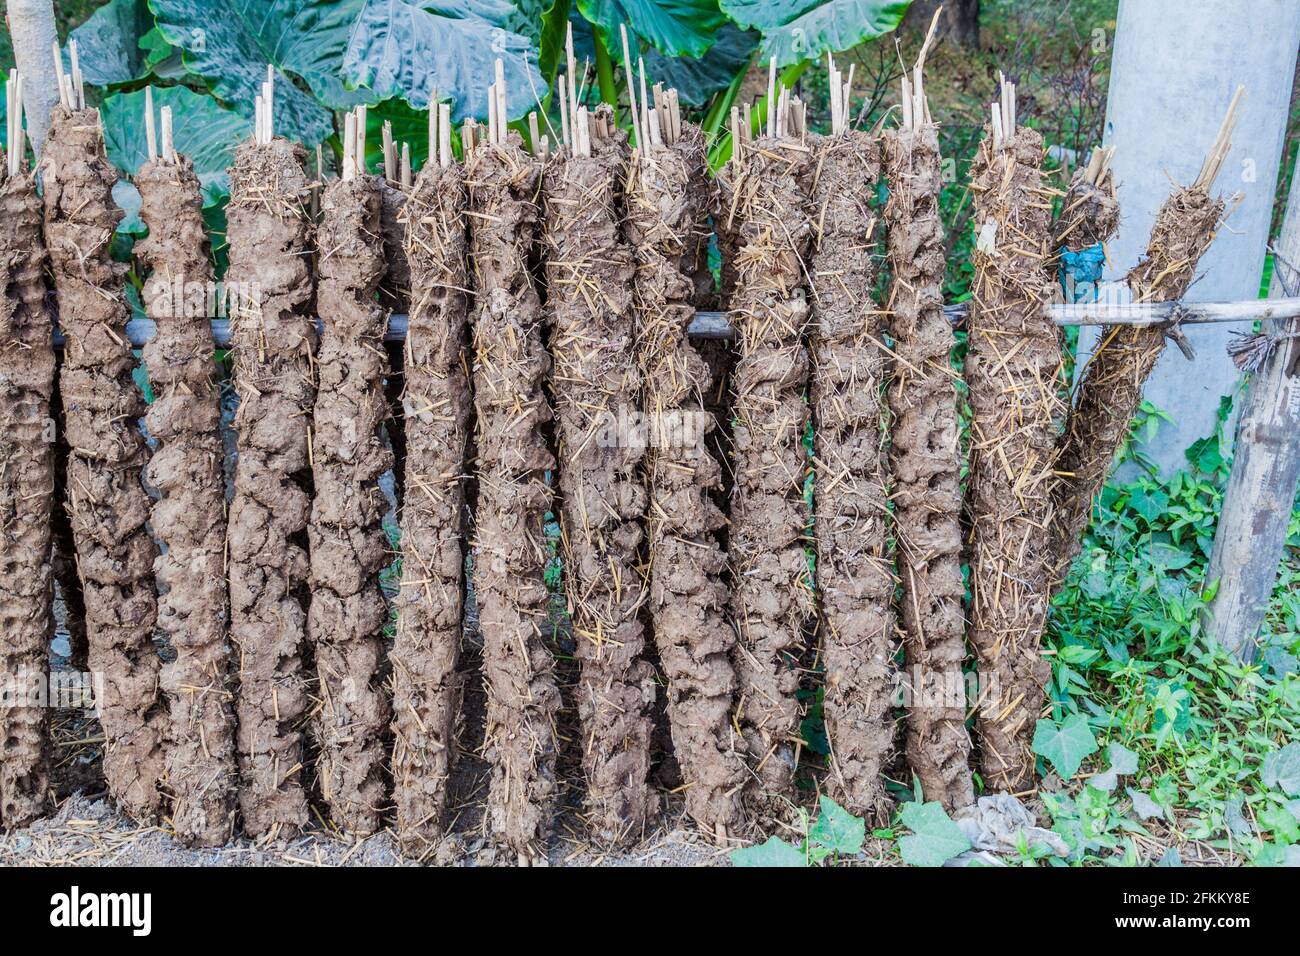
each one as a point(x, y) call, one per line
point(86, 830)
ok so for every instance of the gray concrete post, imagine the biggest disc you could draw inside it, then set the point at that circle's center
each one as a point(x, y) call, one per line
point(1175, 65)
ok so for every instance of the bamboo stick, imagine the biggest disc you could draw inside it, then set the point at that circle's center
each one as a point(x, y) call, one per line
point(58, 72)
point(631, 88)
point(390, 152)
point(150, 133)
point(444, 134)
point(717, 325)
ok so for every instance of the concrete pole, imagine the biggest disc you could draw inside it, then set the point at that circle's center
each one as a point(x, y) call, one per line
point(31, 28)
point(1174, 67)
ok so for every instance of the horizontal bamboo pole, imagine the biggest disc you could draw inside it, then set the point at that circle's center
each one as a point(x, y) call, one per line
point(715, 325)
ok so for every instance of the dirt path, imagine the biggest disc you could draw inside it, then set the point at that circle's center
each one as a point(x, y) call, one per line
point(1014, 369)
point(427, 691)
point(348, 547)
point(108, 504)
point(667, 202)
point(273, 340)
point(855, 575)
point(596, 382)
point(926, 460)
point(510, 365)
point(189, 519)
point(26, 498)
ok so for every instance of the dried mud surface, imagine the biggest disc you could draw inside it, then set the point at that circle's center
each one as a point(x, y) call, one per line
point(347, 543)
point(764, 215)
point(273, 339)
point(26, 501)
point(855, 575)
point(1110, 389)
point(509, 367)
point(395, 288)
point(667, 204)
point(1014, 370)
point(189, 519)
point(427, 690)
point(925, 459)
point(596, 382)
point(107, 502)
point(1089, 215)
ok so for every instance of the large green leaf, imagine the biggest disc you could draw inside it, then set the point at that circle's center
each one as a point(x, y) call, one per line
point(797, 30)
point(673, 27)
point(161, 59)
point(543, 22)
point(108, 44)
point(1064, 745)
point(499, 13)
point(836, 829)
point(202, 130)
point(230, 42)
point(1282, 769)
point(934, 840)
point(698, 78)
point(399, 49)
point(775, 852)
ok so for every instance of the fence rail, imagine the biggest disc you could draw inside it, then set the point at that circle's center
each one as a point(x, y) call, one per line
point(716, 325)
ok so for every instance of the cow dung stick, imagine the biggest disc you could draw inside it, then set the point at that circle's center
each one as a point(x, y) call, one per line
point(926, 461)
point(1014, 370)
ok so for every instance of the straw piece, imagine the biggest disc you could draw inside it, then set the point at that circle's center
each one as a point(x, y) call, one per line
point(565, 134)
point(444, 134)
point(571, 66)
point(78, 86)
point(150, 133)
point(503, 115)
point(771, 97)
point(631, 89)
point(58, 72)
point(390, 152)
point(349, 144)
point(361, 138)
point(168, 150)
point(1222, 144)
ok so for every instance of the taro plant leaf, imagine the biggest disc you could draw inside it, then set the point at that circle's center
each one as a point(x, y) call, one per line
point(698, 78)
point(108, 44)
point(203, 130)
point(934, 840)
point(499, 13)
point(543, 22)
point(1064, 745)
point(230, 43)
point(775, 852)
point(399, 49)
point(836, 829)
point(1282, 769)
point(127, 198)
point(161, 59)
point(798, 30)
point(673, 27)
